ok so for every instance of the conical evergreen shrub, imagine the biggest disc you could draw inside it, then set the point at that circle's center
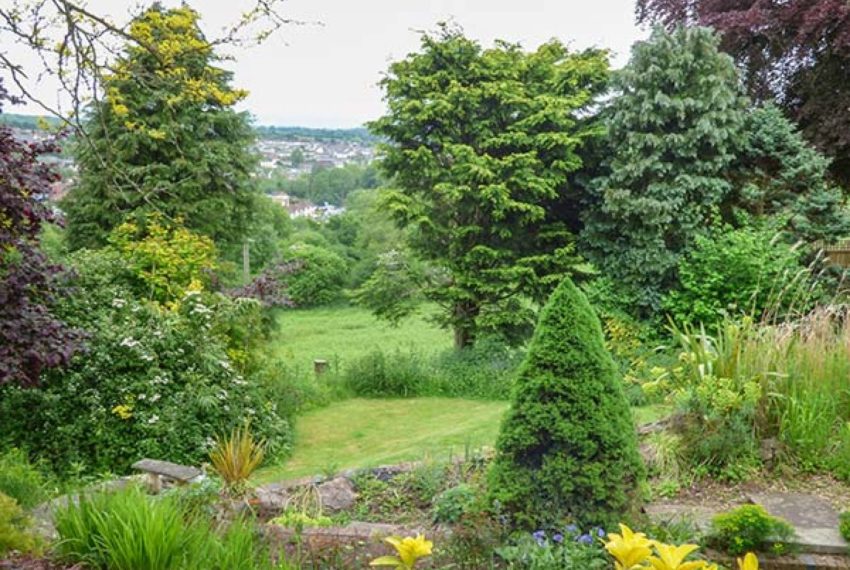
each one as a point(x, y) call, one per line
point(567, 450)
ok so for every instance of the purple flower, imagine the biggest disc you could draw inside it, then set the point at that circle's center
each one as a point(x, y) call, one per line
point(540, 537)
point(558, 537)
point(572, 529)
point(600, 532)
point(585, 539)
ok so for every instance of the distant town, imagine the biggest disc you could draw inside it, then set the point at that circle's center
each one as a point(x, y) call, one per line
point(285, 153)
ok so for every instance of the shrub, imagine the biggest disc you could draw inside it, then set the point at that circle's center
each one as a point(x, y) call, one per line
point(485, 370)
point(380, 375)
point(155, 382)
point(21, 480)
point(15, 531)
point(749, 528)
point(747, 270)
point(128, 530)
point(567, 447)
point(319, 280)
point(453, 503)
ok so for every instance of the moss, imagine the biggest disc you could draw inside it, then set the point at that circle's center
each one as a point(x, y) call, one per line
point(567, 448)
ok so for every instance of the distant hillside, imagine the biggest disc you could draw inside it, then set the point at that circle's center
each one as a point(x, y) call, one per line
point(29, 122)
point(306, 133)
point(360, 134)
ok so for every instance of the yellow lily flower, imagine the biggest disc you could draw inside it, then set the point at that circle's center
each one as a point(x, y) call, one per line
point(671, 557)
point(749, 562)
point(409, 550)
point(629, 548)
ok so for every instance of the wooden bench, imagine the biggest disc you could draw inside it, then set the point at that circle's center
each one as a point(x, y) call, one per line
point(159, 470)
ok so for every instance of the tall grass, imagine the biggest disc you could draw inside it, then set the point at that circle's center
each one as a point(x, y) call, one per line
point(802, 368)
point(128, 530)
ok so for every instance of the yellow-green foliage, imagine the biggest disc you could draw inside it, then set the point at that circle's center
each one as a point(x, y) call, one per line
point(166, 258)
point(14, 527)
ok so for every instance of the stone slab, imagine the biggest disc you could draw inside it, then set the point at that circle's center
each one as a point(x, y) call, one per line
point(814, 519)
point(175, 471)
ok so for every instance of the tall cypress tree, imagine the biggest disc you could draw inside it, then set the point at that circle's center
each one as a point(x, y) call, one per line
point(672, 132)
point(567, 449)
point(164, 138)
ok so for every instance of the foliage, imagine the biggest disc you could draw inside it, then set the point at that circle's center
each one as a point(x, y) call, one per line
point(567, 447)
point(268, 228)
point(806, 43)
point(567, 549)
point(480, 145)
point(165, 259)
point(386, 375)
point(777, 172)
point(236, 457)
point(331, 185)
point(392, 292)
point(15, 527)
point(31, 337)
point(164, 138)
point(750, 381)
point(672, 133)
point(301, 520)
point(156, 383)
point(718, 397)
point(844, 525)
point(452, 504)
point(409, 550)
point(21, 480)
point(319, 277)
point(269, 287)
point(127, 530)
point(748, 528)
point(747, 270)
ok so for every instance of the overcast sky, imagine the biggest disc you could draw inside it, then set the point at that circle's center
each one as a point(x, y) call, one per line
point(325, 75)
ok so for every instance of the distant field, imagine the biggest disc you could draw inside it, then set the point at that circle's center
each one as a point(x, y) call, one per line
point(368, 433)
point(340, 334)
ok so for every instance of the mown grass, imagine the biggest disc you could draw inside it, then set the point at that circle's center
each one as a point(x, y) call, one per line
point(342, 333)
point(366, 433)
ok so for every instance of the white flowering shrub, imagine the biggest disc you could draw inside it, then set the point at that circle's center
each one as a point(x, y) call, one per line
point(154, 382)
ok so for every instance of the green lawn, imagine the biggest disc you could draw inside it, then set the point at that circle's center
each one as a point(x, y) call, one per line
point(340, 334)
point(367, 433)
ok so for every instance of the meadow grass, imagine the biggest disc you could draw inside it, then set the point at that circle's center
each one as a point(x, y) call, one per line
point(341, 334)
point(366, 433)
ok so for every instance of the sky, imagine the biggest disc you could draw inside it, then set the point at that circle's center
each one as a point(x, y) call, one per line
point(324, 72)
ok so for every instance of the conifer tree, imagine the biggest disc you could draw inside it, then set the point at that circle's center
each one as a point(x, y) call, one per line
point(165, 138)
point(673, 131)
point(567, 449)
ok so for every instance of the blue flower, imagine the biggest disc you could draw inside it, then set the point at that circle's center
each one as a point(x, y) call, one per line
point(558, 537)
point(585, 539)
point(572, 529)
point(600, 532)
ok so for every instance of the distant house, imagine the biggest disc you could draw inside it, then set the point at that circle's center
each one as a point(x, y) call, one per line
point(283, 199)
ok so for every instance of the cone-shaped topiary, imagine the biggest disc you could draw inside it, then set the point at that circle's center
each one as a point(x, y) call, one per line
point(568, 447)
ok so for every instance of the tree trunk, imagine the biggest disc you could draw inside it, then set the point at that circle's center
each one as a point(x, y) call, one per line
point(464, 327)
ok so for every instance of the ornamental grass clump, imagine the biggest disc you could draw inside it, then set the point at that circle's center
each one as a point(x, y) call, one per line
point(236, 457)
point(567, 448)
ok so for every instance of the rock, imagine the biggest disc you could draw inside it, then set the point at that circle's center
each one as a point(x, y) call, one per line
point(337, 494)
point(271, 500)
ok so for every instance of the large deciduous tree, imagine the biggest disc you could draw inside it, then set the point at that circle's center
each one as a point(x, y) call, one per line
point(673, 131)
point(31, 337)
point(164, 138)
point(481, 143)
point(796, 52)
